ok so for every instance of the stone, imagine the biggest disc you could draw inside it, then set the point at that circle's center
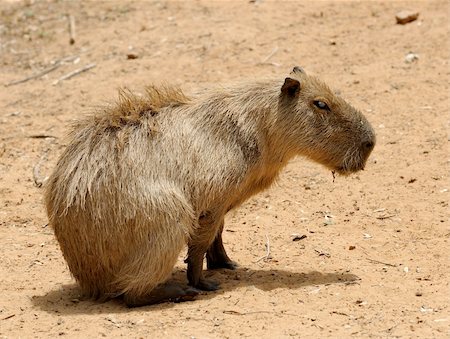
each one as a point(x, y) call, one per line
point(403, 17)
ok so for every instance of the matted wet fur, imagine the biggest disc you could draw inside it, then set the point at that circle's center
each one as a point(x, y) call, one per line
point(143, 178)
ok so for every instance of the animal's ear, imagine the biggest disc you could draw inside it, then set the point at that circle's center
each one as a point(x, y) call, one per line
point(291, 87)
point(298, 70)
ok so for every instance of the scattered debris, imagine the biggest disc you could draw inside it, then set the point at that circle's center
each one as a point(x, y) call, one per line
point(74, 73)
point(425, 309)
point(382, 217)
point(381, 262)
point(37, 178)
point(441, 320)
point(41, 136)
point(9, 316)
point(297, 237)
point(404, 17)
point(271, 54)
point(322, 253)
point(36, 262)
point(328, 220)
point(114, 321)
point(367, 236)
point(315, 291)
point(137, 322)
point(132, 56)
point(406, 269)
point(34, 76)
point(232, 312)
point(267, 256)
point(71, 19)
point(411, 57)
point(351, 282)
point(339, 313)
point(14, 114)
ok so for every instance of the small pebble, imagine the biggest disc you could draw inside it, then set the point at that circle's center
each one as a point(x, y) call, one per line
point(404, 17)
point(411, 57)
point(132, 56)
point(425, 309)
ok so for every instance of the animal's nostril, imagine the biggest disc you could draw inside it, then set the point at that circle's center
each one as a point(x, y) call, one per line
point(368, 145)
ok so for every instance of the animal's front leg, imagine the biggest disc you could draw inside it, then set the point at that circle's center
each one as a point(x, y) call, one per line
point(208, 226)
point(216, 256)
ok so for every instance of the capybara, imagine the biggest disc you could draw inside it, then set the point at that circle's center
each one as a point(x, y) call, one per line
point(144, 177)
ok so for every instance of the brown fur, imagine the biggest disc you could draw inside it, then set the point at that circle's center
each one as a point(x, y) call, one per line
point(141, 179)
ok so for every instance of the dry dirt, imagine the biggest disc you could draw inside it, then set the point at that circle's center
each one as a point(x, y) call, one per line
point(375, 259)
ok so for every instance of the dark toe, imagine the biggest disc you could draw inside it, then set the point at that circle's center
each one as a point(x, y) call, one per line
point(229, 265)
point(188, 294)
point(207, 285)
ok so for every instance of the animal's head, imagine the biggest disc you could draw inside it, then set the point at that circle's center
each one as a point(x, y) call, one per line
point(323, 126)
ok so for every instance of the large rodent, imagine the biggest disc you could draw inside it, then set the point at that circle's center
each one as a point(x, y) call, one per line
point(143, 178)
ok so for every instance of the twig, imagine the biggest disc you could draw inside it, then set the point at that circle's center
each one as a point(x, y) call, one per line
point(34, 76)
point(69, 58)
point(267, 256)
point(41, 136)
point(9, 316)
point(382, 217)
point(74, 73)
point(380, 262)
point(392, 327)
point(47, 70)
point(322, 253)
point(271, 54)
point(38, 179)
point(71, 29)
point(257, 312)
point(339, 313)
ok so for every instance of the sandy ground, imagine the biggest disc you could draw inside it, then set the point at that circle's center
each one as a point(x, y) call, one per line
point(375, 260)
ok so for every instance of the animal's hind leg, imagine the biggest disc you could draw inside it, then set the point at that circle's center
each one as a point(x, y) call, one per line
point(216, 256)
point(143, 278)
point(169, 291)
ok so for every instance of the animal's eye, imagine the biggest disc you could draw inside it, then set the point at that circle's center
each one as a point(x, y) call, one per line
point(321, 105)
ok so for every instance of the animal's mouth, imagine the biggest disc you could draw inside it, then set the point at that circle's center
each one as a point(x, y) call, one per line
point(347, 170)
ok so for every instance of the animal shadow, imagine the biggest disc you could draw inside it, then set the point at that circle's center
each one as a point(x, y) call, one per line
point(67, 298)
